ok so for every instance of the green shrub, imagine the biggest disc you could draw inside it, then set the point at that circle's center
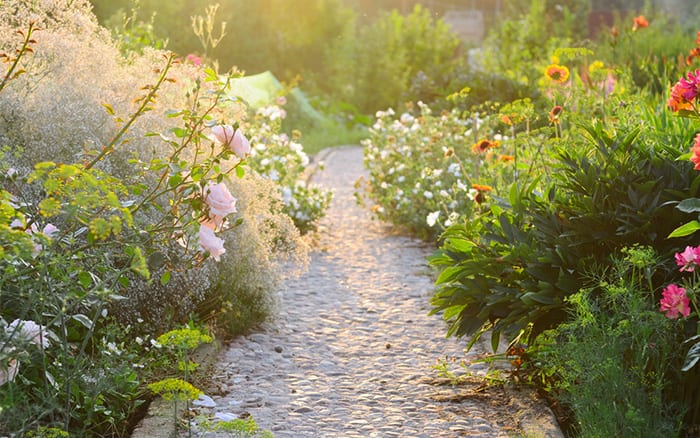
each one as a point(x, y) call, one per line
point(616, 362)
point(512, 270)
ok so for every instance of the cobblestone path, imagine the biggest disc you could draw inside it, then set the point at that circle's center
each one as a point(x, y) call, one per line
point(350, 354)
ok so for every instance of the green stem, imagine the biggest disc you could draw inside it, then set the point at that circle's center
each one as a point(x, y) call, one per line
point(20, 53)
point(146, 101)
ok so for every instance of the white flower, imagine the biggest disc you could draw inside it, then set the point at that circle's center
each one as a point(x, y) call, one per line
point(432, 218)
point(444, 194)
point(29, 331)
point(452, 218)
point(454, 169)
point(139, 340)
point(428, 195)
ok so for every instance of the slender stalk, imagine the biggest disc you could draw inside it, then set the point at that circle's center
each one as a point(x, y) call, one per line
point(20, 53)
point(147, 100)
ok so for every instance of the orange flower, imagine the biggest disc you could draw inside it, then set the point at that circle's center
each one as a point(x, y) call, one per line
point(506, 158)
point(557, 73)
point(481, 188)
point(484, 145)
point(555, 113)
point(693, 54)
point(639, 22)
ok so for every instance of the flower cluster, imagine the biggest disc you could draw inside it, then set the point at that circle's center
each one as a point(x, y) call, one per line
point(675, 301)
point(684, 92)
point(279, 157)
point(423, 168)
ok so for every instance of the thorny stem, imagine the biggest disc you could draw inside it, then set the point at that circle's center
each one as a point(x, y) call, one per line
point(20, 53)
point(146, 101)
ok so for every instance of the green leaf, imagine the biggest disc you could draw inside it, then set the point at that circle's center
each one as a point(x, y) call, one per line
point(165, 278)
point(690, 205)
point(179, 132)
point(84, 320)
point(109, 108)
point(495, 340)
point(175, 180)
point(685, 229)
point(124, 281)
point(692, 356)
point(85, 279)
point(240, 172)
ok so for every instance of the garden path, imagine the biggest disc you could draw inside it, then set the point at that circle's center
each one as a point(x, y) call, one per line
point(352, 350)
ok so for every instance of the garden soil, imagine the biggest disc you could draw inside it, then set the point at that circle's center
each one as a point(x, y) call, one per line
point(352, 349)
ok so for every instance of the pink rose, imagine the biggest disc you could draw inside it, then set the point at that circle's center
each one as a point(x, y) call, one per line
point(235, 140)
point(210, 243)
point(223, 134)
point(219, 199)
point(688, 259)
point(674, 301)
point(29, 331)
point(240, 145)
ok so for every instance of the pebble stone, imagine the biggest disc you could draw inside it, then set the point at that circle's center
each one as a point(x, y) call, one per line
point(350, 353)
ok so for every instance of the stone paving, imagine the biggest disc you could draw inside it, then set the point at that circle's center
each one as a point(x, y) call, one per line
point(351, 351)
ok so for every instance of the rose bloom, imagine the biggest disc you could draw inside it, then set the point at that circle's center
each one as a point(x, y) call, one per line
point(220, 201)
point(235, 140)
point(695, 158)
point(674, 302)
point(210, 243)
point(557, 73)
point(688, 259)
point(640, 22)
point(29, 331)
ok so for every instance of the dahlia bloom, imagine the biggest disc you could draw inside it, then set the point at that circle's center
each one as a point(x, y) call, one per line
point(688, 259)
point(675, 302)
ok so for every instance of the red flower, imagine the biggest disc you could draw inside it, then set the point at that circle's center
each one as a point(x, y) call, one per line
point(684, 92)
point(675, 302)
point(639, 22)
point(695, 158)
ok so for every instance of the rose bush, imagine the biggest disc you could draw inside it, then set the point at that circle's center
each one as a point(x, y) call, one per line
point(116, 237)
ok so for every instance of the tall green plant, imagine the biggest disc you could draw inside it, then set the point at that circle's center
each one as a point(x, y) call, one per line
point(511, 271)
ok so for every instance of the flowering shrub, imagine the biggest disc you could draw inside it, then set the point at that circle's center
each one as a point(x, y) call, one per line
point(145, 192)
point(280, 158)
point(428, 172)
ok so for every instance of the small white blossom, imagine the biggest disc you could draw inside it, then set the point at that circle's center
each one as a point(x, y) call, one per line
point(432, 218)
